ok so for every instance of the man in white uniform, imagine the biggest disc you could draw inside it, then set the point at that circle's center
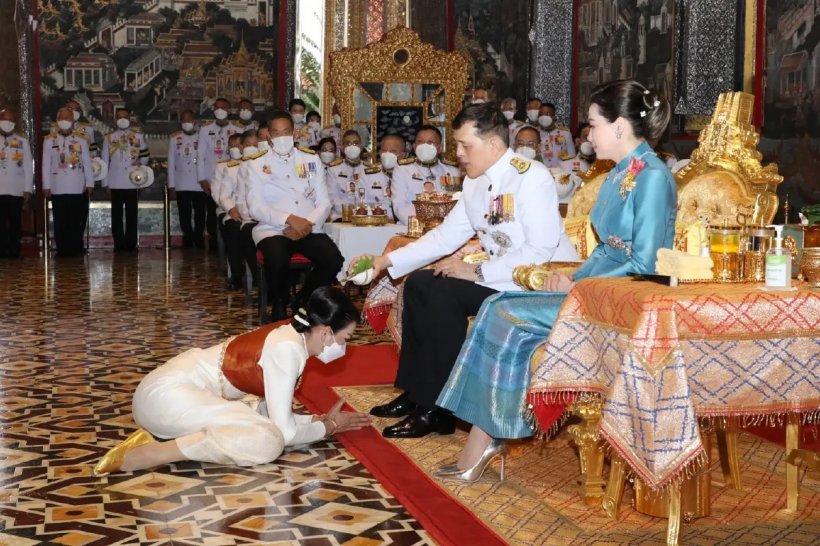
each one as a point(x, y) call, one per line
point(213, 147)
point(83, 127)
point(16, 182)
point(556, 140)
point(246, 121)
point(508, 108)
point(183, 181)
point(68, 178)
point(346, 177)
point(424, 173)
point(511, 204)
point(123, 149)
point(287, 196)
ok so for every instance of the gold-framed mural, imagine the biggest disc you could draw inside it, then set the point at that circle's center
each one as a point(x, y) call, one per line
point(396, 84)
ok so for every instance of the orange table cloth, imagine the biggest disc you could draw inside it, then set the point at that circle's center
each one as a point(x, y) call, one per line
point(663, 357)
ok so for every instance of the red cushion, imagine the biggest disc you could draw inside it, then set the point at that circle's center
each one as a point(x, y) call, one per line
point(299, 259)
point(260, 258)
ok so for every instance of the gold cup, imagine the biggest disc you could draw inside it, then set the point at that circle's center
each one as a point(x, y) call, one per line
point(414, 227)
point(347, 212)
point(810, 266)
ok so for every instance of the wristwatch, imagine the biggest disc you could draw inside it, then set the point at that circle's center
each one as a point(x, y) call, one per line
point(478, 273)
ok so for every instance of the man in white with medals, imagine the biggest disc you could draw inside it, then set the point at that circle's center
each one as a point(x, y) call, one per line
point(512, 205)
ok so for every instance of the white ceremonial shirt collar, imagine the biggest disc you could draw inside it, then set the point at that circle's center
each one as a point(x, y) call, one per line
point(495, 174)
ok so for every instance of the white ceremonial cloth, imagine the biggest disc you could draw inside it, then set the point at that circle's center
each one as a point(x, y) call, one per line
point(354, 241)
point(181, 400)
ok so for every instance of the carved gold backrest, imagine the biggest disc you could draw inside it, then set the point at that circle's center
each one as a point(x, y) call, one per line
point(398, 81)
point(728, 180)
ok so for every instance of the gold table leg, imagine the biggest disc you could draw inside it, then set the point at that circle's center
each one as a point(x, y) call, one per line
point(675, 515)
point(727, 434)
point(792, 476)
point(615, 487)
point(590, 447)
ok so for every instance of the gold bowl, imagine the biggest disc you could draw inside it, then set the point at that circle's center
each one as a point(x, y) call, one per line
point(368, 219)
point(810, 266)
point(431, 213)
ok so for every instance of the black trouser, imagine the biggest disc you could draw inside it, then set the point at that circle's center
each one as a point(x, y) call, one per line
point(11, 207)
point(211, 221)
point(124, 238)
point(196, 202)
point(434, 327)
point(70, 217)
point(249, 248)
point(233, 247)
point(317, 247)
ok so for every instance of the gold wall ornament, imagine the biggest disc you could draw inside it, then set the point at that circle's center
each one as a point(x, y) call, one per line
point(729, 144)
point(393, 71)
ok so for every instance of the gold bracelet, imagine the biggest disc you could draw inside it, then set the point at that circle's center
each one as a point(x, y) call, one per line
point(335, 426)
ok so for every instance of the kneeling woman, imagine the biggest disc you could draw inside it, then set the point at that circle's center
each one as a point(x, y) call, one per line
point(193, 401)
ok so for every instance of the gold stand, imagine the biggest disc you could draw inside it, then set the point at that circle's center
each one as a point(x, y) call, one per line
point(590, 447)
point(614, 487)
point(727, 432)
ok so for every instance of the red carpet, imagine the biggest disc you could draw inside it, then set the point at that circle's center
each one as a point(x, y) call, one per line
point(447, 521)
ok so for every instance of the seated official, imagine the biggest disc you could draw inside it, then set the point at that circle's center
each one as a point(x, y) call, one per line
point(346, 176)
point(528, 143)
point(425, 173)
point(511, 204)
point(195, 402)
point(634, 216)
point(327, 153)
point(556, 140)
point(585, 157)
point(287, 196)
point(509, 107)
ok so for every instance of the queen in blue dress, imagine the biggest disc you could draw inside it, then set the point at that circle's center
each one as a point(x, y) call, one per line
point(633, 216)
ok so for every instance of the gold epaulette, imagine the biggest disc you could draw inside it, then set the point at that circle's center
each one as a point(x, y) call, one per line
point(306, 150)
point(136, 129)
point(336, 162)
point(257, 155)
point(175, 134)
point(521, 165)
point(565, 156)
point(407, 161)
point(223, 161)
point(234, 163)
point(80, 133)
point(450, 162)
point(375, 169)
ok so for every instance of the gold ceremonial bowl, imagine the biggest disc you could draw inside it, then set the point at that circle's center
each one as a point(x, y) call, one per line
point(431, 208)
point(810, 266)
point(368, 219)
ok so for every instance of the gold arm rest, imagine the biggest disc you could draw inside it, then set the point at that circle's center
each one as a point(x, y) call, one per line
point(532, 277)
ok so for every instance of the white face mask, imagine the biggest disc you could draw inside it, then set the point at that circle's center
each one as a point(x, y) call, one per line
point(188, 127)
point(220, 114)
point(526, 151)
point(532, 115)
point(327, 157)
point(509, 114)
point(389, 160)
point(245, 114)
point(76, 115)
point(6, 126)
point(479, 101)
point(236, 153)
point(426, 152)
point(314, 125)
point(353, 152)
point(586, 148)
point(332, 352)
point(337, 120)
point(250, 150)
point(545, 121)
point(64, 124)
point(123, 123)
point(283, 145)
point(297, 118)
point(263, 146)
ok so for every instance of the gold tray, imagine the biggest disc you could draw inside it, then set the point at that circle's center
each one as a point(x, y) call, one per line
point(368, 220)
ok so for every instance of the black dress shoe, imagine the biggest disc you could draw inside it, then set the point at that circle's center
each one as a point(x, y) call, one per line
point(399, 407)
point(421, 423)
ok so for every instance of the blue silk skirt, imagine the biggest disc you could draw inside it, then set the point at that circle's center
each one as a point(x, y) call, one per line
point(489, 382)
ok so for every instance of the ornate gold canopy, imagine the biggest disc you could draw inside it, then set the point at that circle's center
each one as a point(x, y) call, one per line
point(398, 77)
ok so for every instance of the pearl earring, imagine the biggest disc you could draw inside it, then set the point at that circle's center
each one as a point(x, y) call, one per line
point(618, 132)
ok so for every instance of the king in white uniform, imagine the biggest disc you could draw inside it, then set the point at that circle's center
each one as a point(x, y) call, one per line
point(512, 205)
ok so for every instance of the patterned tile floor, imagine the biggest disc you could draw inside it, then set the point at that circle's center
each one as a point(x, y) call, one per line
point(76, 336)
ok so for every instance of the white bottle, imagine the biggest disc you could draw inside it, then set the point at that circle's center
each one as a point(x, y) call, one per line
point(778, 263)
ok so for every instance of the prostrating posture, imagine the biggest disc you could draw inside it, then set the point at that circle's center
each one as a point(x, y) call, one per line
point(512, 205)
point(197, 403)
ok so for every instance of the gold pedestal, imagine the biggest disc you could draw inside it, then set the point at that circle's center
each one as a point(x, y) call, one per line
point(727, 432)
point(590, 447)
